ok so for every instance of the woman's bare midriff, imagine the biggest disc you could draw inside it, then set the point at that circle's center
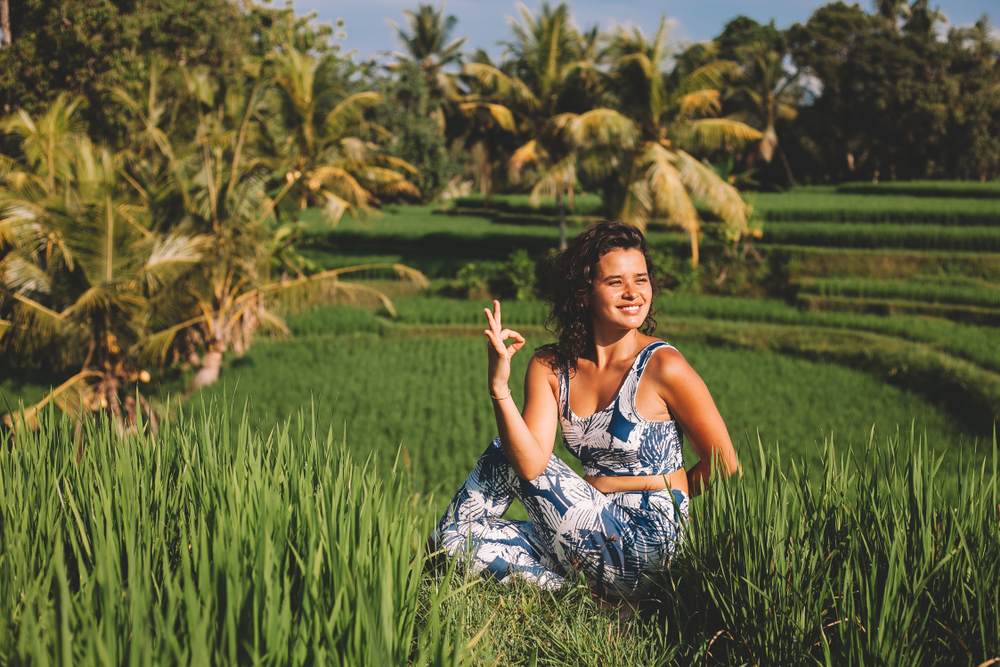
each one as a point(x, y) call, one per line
point(677, 480)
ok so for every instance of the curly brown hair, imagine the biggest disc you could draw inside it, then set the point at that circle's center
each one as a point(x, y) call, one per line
point(569, 286)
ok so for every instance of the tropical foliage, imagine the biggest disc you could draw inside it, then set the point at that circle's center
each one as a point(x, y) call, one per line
point(185, 237)
point(156, 166)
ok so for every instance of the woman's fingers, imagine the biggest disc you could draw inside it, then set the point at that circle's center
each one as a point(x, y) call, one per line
point(497, 339)
point(518, 340)
point(494, 317)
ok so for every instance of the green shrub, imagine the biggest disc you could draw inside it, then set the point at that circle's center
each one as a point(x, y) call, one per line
point(517, 279)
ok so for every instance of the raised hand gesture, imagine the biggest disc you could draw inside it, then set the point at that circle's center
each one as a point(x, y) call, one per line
point(499, 354)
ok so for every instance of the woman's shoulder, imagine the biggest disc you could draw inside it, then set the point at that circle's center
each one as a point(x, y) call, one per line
point(665, 359)
point(548, 358)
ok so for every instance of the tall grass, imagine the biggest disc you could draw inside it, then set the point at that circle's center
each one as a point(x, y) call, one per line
point(875, 565)
point(200, 548)
point(211, 545)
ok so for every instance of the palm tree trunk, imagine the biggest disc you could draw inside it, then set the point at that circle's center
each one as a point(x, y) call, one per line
point(562, 220)
point(788, 168)
point(694, 248)
point(8, 39)
point(211, 364)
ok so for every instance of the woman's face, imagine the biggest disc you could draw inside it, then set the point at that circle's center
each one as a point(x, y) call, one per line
point(622, 293)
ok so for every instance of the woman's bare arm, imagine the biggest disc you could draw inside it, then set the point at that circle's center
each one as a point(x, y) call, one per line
point(691, 405)
point(527, 438)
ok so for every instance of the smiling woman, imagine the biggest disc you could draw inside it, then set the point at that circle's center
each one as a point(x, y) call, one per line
point(623, 521)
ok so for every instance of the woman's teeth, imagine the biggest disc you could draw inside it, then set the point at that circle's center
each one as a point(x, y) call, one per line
point(629, 310)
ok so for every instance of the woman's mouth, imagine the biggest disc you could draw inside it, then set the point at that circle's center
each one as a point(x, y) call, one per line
point(630, 310)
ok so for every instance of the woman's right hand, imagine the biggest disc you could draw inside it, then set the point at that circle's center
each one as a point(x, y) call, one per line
point(499, 354)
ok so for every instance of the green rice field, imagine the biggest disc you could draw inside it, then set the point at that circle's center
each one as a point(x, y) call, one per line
point(827, 205)
point(281, 515)
point(865, 235)
point(961, 291)
point(425, 394)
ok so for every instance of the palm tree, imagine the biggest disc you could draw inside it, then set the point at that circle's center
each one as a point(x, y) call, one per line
point(893, 10)
point(545, 53)
point(117, 255)
point(5, 22)
point(83, 271)
point(766, 94)
point(427, 45)
point(658, 178)
point(225, 184)
point(321, 139)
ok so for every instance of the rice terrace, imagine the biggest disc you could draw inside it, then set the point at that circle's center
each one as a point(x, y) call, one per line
point(242, 363)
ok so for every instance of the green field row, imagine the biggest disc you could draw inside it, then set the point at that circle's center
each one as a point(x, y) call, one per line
point(887, 264)
point(964, 292)
point(964, 189)
point(427, 394)
point(909, 236)
point(980, 345)
point(806, 205)
point(583, 205)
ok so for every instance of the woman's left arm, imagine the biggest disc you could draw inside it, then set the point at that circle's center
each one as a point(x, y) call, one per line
point(691, 405)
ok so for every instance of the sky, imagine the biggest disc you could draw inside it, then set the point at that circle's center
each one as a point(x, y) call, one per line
point(485, 21)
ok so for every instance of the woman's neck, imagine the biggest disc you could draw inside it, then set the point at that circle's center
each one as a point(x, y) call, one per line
point(612, 347)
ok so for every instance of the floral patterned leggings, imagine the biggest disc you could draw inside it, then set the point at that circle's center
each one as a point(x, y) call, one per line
point(615, 540)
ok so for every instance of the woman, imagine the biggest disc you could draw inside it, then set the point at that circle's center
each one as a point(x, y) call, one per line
point(622, 522)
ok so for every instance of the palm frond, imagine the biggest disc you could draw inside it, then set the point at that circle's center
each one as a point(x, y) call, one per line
point(24, 277)
point(668, 191)
point(597, 127)
point(73, 396)
point(171, 256)
point(153, 347)
point(349, 110)
point(717, 134)
point(319, 288)
point(705, 102)
point(530, 153)
point(505, 85)
point(36, 318)
point(500, 113)
point(722, 198)
point(708, 76)
point(556, 179)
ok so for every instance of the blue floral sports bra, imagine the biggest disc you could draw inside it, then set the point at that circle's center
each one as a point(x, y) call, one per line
point(616, 441)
